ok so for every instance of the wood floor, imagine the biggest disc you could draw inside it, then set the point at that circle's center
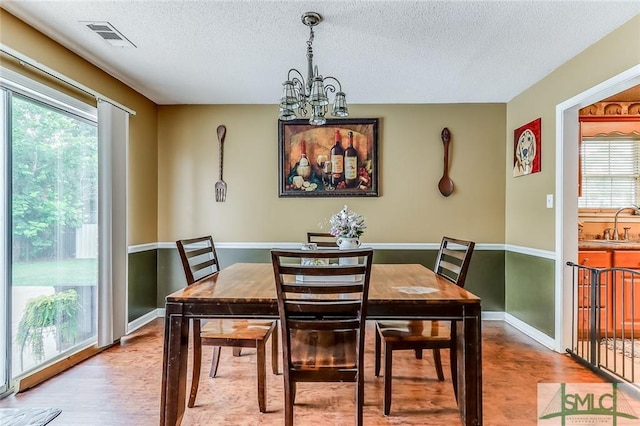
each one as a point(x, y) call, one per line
point(121, 386)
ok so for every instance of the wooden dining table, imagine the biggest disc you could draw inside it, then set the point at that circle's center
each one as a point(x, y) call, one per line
point(397, 291)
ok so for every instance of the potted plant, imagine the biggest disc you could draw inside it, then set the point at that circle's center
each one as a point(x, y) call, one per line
point(347, 227)
point(57, 313)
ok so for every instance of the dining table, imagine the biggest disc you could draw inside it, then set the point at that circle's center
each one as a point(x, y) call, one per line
point(396, 291)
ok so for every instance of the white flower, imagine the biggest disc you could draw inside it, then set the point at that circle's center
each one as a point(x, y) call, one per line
point(347, 224)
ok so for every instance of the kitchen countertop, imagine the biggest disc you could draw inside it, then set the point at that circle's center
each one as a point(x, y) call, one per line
point(608, 245)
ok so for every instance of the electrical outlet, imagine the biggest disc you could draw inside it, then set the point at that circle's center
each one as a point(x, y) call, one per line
point(549, 201)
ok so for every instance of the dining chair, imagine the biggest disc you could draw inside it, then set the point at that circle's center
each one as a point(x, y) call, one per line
point(322, 315)
point(322, 239)
point(200, 261)
point(452, 263)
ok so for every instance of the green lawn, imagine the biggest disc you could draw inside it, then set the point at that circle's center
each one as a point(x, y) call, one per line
point(73, 272)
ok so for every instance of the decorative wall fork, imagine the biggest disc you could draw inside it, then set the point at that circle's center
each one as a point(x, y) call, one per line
point(221, 185)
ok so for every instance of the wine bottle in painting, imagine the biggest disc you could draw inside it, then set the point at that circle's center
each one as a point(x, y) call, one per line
point(337, 160)
point(304, 168)
point(351, 164)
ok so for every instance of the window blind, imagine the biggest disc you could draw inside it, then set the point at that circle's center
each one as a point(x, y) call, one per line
point(610, 173)
point(113, 139)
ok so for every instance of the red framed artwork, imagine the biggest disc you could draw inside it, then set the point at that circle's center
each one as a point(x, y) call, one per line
point(527, 149)
point(337, 159)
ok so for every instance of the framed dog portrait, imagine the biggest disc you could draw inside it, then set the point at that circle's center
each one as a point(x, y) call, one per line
point(338, 159)
point(527, 149)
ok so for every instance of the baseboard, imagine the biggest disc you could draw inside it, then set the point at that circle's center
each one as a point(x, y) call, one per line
point(493, 316)
point(144, 320)
point(532, 332)
point(55, 367)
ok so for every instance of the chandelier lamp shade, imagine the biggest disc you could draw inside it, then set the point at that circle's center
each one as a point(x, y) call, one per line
point(299, 97)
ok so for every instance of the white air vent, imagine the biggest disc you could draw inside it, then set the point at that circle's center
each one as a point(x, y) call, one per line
point(108, 33)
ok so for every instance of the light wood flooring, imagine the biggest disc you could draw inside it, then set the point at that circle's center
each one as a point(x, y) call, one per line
point(121, 386)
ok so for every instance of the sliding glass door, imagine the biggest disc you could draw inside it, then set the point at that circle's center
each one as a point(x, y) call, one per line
point(52, 253)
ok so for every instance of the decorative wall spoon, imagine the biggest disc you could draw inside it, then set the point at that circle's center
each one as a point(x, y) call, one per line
point(446, 184)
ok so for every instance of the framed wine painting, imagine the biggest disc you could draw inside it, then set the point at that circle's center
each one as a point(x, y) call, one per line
point(338, 159)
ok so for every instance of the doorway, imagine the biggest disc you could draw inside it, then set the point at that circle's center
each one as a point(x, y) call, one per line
point(566, 219)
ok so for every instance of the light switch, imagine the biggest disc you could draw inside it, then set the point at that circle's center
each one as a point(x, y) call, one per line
point(549, 201)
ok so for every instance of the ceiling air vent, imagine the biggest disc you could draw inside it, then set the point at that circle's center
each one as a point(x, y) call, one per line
point(108, 33)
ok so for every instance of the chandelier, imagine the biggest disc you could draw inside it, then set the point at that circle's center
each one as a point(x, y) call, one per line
point(299, 96)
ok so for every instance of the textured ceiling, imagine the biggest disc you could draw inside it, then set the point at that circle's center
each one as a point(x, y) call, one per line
point(239, 52)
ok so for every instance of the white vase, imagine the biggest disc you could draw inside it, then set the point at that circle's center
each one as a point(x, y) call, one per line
point(348, 244)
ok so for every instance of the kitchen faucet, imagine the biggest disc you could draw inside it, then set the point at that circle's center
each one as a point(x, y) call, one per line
point(615, 220)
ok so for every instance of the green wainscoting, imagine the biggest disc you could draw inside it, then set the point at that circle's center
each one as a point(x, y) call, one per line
point(485, 278)
point(170, 274)
point(530, 290)
point(143, 282)
point(518, 284)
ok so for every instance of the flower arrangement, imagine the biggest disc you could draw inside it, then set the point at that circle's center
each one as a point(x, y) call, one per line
point(347, 224)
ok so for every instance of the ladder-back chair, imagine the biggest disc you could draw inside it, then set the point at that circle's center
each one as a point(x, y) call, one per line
point(322, 239)
point(452, 263)
point(322, 315)
point(200, 261)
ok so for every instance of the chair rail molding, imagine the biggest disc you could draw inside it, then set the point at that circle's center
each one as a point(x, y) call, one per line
point(296, 245)
point(547, 254)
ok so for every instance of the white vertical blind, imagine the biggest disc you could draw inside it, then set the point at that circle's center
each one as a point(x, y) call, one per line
point(610, 173)
point(113, 141)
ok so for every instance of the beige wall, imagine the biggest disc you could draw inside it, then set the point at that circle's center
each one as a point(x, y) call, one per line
point(409, 209)
point(173, 159)
point(528, 222)
point(143, 162)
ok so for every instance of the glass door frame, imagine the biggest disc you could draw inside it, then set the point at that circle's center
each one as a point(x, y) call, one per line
point(5, 247)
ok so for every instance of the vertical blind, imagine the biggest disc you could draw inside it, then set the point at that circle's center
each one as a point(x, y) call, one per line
point(610, 173)
point(113, 139)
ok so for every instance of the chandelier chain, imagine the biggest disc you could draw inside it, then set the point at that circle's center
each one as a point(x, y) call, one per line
point(310, 41)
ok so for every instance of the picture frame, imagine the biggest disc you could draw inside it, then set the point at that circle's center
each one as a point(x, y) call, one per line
point(304, 151)
point(527, 148)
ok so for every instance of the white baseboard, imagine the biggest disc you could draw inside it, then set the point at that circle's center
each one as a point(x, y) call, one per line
point(144, 320)
point(525, 328)
point(534, 333)
point(493, 316)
